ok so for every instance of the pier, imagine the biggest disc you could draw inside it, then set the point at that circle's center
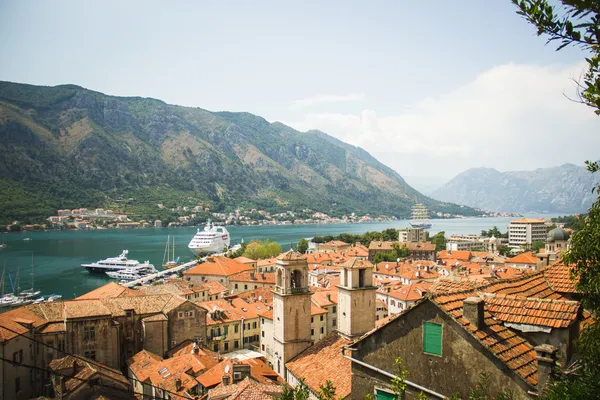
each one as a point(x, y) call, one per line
point(160, 274)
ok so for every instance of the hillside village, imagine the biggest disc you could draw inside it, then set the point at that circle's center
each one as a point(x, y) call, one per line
point(243, 328)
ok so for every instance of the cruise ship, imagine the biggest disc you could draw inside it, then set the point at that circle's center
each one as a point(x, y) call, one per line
point(213, 239)
point(116, 264)
point(420, 217)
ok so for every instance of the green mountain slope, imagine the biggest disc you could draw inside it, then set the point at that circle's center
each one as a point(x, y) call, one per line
point(65, 146)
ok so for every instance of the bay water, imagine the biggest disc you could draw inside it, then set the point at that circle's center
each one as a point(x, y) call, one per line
point(58, 255)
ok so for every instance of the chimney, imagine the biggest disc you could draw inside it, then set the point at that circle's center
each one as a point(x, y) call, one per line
point(225, 380)
point(546, 358)
point(195, 348)
point(473, 311)
point(177, 384)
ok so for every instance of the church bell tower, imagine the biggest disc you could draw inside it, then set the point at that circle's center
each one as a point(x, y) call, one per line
point(291, 309)
point(356, 298)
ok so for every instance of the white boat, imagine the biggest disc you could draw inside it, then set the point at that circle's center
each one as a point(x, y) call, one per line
point(212, 239)
point(420, 217)
point(53, 297)
point(30, 293)
point(116, 264)
point(27, 239)
point(124, 275)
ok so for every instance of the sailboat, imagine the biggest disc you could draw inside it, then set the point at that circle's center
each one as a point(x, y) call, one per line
point(29, 293)
point(170, 253)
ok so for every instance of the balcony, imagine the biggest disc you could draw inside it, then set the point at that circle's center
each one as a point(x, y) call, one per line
point(279, 289)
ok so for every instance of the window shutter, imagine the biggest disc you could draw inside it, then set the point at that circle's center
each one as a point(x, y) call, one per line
point(432, 338)
point(383, 395)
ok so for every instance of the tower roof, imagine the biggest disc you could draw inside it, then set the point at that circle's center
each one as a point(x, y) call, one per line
point(356, 263)
point(292, 255)
point(558, 234)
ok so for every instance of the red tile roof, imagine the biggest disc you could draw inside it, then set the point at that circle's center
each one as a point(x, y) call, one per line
point(523, 258)
point(559, 277)
point(462, 255)
point(111, 289)
point(412, 292)
point(323, 361)
point(256, 277)
point(219, 266)
point(246, 390)
point(532, 311)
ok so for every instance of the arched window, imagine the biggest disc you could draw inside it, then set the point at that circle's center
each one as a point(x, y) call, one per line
point(279, 280)
point(296, 279)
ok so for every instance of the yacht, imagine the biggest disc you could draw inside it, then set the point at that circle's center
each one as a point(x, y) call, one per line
point(116, 264)
point(128, 274)
point(213, 239)
point(420, 217)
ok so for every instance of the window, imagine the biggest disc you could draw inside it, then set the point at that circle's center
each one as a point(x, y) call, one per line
point(322, 331)
point(226, 346)
point(17, 385)
point(312, 319)
point(216, 347)
point(263, 347)
point(263, 333)
point(179, 314)
point(89, 333)
point(245, 287)
point(254, 325)
point(334, 322)
point(235, 328)
point(225, 330)
point(312, 332)
point(91, 354)
point(334, 309)
point(236, 344)
point(236, 286)
point(432, 338)
point(384, 395)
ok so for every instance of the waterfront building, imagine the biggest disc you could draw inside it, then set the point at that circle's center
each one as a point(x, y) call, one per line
point(525, 231)
point(250, 280)
point(217, 268)
point(158, 223)
point(411, 235)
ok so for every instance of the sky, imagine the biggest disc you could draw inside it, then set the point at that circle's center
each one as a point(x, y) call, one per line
point(428, 88)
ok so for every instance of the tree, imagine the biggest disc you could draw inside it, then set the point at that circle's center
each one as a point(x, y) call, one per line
point(326, 391)
point(575, 23)
point(300, 392)
point(399, 381)
point(537, 245)
point(439, 240)
point(302, 246)
point(259, 250)
point(504, 250)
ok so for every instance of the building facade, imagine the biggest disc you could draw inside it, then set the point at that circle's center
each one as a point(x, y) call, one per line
point(525, 231)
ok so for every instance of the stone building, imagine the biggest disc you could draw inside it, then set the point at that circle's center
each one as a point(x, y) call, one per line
point(418, 250)
point(216, 268)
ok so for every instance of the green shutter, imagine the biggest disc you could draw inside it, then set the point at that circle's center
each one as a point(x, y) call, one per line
point(432, 338)
point(382, 395)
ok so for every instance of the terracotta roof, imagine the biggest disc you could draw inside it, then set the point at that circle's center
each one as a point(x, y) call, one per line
point(523, 258)
point(412, 246)
point(8, 322)
point(214, 287)
point(462, 255)
point(512, 349)
point(325, 297)
point(266, 262)
point(527, 221)
point(412, 292)
point(508, 272)
point(291, 255)
point(251, 276)
point(559, 277)
point(85, 370)
point(246, 390)
point(143, 304)
point(532, 311)
point(314, 310)
point(453, 285)
point(529, 285)
point(229, 312)
point(356, 263)
point(249, 310)
point(259, 371)
point(53, 327)
point(188, 345)
point(323, 361)
point(111, 289)
point(219, 266)
point(244, 260)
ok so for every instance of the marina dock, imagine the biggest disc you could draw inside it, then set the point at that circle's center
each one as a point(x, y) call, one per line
point(160, 274)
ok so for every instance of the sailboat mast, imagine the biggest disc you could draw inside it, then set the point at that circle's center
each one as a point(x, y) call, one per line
point(173, 249)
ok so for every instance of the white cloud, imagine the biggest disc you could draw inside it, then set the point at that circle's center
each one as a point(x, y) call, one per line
point(326, 98)
point(510, 117)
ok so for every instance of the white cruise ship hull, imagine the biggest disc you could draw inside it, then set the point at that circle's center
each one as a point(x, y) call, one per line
point(202, 250)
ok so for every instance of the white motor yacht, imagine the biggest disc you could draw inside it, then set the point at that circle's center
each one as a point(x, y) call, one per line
point(116, 264)
point(212, 239)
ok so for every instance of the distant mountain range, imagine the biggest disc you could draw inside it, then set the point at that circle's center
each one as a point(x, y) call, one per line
point(564, 189)
point(66, 146)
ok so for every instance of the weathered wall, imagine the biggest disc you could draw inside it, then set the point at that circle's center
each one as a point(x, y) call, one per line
point(184, 326)
point(356, 311)
point(9, 373)
point(103, 344)
point(457, 370)
point(155, 337)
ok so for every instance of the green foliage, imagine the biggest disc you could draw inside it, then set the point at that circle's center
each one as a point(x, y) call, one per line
point(259, 250)
point(300, 392)
point(574, 23)
point(365, 239)
point(439, 239)
point(504, 250)
point(239, 252)
point(396, 253)
point(574, 222)
point(494, 232)
point(302, 246)
point(537, 245)
point(326, 391)
point(399, 380)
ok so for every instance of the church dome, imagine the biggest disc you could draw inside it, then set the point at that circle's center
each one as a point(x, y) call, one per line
point(558, 234)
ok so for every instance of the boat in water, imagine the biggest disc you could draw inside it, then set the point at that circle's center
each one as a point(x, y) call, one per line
point(116, 263)
point(213, 239)
point(420, 217)
point(170, 253)
point(128, 274)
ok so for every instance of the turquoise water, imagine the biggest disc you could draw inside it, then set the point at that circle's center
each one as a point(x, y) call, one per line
point(58, 255)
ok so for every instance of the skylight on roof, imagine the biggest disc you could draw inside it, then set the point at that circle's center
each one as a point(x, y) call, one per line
point(162, 371)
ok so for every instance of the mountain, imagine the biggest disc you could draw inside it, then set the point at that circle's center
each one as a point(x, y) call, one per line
point(66, 146)
point(564, 189)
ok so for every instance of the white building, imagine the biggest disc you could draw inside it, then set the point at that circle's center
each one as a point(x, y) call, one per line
point(411, 235)
point(525, 231)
